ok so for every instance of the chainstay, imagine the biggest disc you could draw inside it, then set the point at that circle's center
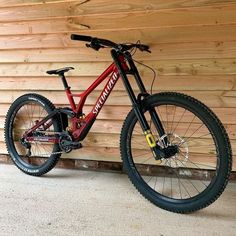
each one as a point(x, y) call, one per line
point(51, 153)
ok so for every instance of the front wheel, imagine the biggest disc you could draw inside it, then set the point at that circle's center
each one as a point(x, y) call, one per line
point(197, 173)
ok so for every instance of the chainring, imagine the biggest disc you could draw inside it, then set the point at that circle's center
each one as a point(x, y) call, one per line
point(64, 137)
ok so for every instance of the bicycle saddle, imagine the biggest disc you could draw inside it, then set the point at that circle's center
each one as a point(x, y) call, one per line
point(60, 71)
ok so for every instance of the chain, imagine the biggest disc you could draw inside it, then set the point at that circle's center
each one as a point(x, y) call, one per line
point(49, 154)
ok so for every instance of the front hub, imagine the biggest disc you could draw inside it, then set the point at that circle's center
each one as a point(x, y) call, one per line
point(175, 148)
point(170, 151)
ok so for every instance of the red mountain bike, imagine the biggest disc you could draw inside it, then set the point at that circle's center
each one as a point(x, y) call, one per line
point(175, 150)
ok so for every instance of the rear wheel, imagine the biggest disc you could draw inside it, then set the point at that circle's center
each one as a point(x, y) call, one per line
point(32, 157)
point(195, 175)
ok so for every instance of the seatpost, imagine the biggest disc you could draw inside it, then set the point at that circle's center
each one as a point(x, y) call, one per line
point(68, 92)
point(63, 78)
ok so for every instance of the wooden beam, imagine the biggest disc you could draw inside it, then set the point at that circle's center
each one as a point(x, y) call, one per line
point(226, 115)
point(102, 6)
point(216, 33)
point(162, 51)
point(120, 98)
point(118, 21)
point(163, 67)
point(164, 83)
point(23, 3)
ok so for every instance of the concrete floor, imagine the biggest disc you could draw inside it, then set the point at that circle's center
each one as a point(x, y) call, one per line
point(72, 202)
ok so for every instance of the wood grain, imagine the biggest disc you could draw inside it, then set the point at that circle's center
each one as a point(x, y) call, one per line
point(165, 67)
point(118, 21)
point(216, 99)
point(199, 145)
point(214, 33)
point(162, 82)
point(226, 115)
point(12, 9)
point(162, 51)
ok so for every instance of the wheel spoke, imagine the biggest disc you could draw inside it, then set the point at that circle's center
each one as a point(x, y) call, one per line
point(190, 138)
point(179, 121)
point(189, 126)
point(173, 120)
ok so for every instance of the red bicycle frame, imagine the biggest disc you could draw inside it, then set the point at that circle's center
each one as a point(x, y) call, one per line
point(81, 124)
point(86, 122)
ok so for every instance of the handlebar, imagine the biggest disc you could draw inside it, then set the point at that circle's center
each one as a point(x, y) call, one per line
point(81, 37)
point(97, 43)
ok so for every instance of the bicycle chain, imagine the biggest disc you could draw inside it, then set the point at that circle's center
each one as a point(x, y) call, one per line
point(53, 153)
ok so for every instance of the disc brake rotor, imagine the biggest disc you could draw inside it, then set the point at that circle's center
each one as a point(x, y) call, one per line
point(181, 157)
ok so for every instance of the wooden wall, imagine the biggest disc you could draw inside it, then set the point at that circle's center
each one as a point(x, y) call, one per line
point(193, 49)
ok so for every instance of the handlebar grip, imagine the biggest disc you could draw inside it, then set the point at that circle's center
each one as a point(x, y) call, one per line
point(81, 37)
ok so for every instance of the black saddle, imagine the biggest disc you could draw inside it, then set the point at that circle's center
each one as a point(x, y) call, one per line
point(60, 71)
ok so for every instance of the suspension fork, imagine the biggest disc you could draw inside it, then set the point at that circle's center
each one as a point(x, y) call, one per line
point(154, 116)
point(157, 153)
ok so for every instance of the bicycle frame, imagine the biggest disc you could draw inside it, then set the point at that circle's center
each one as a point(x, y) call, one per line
point(80, 133)
point(80, 124)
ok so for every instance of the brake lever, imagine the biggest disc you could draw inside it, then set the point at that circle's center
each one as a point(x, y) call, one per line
point(94, 46)
point(88, 45)
point(144, 48)
point(147, 50)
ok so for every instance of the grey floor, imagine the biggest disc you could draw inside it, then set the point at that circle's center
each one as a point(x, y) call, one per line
point(72, 202)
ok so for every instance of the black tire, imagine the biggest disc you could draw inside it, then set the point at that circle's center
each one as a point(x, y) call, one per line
point(22, 115)
point(197, 175)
